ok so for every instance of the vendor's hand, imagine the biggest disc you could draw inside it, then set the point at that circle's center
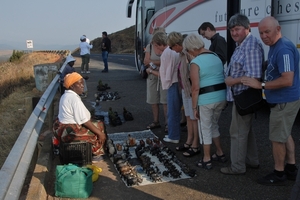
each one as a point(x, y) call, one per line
point(251, 82)
point(102, 138)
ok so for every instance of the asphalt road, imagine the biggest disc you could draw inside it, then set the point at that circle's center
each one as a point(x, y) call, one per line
point(207, 184)
point(123, 59)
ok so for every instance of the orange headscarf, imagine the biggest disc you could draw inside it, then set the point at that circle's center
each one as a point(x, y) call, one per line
point(70, 79)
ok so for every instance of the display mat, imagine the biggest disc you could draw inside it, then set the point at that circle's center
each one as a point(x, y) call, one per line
point(141, 159)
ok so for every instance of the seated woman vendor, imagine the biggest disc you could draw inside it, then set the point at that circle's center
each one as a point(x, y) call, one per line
point(74, 119)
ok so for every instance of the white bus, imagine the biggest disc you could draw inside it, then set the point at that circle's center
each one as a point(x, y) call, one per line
point(185, 16)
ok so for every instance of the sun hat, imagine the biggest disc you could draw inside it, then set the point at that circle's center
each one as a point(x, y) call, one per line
point(70, 59)
point(70, 79)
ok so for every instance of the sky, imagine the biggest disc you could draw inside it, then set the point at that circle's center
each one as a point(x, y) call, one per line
point(59, 22)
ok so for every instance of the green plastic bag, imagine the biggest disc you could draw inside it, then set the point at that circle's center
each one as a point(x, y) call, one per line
point(73, 181)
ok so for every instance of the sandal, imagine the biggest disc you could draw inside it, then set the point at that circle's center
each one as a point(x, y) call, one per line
point(205, 165)
point(183, 147)
point(191, 152)
point(153, 125)
point(216, 157)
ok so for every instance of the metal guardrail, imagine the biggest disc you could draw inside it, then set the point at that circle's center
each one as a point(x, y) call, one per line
point(16, 165)
point(59, 52)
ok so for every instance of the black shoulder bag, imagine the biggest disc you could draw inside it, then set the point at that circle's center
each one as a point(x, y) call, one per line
point(249, 101)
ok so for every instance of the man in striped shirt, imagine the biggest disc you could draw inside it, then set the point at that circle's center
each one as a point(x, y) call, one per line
point(246, 61)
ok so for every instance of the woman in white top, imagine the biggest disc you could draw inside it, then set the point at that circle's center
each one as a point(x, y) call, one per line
point(74, 119)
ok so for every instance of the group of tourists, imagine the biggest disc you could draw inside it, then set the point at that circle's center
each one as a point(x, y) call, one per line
point(183, 72)
point(85, 47)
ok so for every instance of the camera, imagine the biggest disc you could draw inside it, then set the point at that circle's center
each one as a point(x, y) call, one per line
point(152, 66)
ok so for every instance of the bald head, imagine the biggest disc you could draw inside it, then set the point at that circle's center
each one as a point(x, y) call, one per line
point(271, 21)
point(269, 30)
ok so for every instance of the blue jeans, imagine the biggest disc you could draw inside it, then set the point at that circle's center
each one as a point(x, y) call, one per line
point(104, 58)
point(174, 112)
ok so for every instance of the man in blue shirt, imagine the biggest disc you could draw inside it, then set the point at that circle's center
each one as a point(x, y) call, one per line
point(281, 87)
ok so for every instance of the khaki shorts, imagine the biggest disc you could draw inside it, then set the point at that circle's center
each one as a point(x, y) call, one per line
point(282, 118)
point(209, 121)
point(155, 93)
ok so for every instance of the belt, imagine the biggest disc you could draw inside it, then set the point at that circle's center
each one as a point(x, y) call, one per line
point(212, 88)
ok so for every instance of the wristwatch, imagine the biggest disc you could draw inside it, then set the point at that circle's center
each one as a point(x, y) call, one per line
point(263, 84)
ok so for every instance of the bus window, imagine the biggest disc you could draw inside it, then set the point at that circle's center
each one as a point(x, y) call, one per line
point(170, 2)
point(150, 13)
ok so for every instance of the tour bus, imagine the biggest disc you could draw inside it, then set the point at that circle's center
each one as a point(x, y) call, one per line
point(185, 16)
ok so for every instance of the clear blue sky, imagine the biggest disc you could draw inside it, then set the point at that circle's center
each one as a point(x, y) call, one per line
point(60, 22)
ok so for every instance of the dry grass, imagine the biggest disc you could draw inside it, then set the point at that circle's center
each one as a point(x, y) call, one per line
point(21, 73)
point(17, 80)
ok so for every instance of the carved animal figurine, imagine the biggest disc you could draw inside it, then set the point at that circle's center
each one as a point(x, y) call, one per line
point(149, 141)
point(142, 143)
point(131, 141)
point(119, 147)
point(127, 115)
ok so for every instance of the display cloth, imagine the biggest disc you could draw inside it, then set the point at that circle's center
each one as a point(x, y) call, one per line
point(141, 158)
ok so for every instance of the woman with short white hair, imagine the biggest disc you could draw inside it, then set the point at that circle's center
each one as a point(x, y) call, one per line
point(208, 96)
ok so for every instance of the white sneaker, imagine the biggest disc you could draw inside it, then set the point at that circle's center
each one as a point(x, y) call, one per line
point(166, 139)
point(166, 136)
point(88, 72)
point(82, 72)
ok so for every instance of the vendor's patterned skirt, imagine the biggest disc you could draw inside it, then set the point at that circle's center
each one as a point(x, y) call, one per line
point(75, 133)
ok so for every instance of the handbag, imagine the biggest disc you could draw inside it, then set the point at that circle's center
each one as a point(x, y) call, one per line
point(249, 101)
point(73, 181)
point(143, 72)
